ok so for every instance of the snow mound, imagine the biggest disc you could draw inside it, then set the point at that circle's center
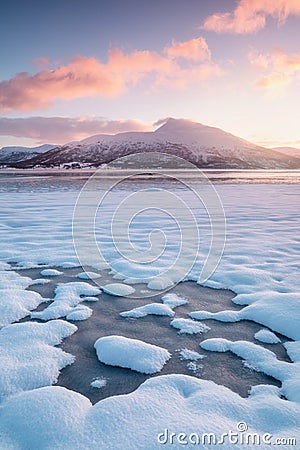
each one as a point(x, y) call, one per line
point(67, 297)
point(88, 275)
point(173, 300)
point(51, 273)
point(118, 289)
point(262, 360)
point(56, 418)
point(28, 357)
point(131, 354)
point(267, 336)
point(189, 326)
point(157, 309)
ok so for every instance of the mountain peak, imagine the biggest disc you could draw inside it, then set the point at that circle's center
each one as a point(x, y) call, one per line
point(174, 125)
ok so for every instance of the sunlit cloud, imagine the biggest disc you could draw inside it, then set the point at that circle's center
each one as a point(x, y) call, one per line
point(194, 49)
point(281, 68)
point(87, 76)
point(59, 130)
point(250, 16)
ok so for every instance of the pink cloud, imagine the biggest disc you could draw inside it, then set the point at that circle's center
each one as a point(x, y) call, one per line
point(86, 76)
point(60, 130)
point(194, 49)
point(280, 68)
point(249, 16)
point(81, 77)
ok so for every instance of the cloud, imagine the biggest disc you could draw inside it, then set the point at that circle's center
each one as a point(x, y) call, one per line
point(87, 76)
point(59, 130)
point(280, 68)
point(194, 49)
point(250, 16)
point(81, 77)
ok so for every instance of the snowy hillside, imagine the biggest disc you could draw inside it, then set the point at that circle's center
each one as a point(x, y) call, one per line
point(290, 151)
point(206, 147)
point(14, 154)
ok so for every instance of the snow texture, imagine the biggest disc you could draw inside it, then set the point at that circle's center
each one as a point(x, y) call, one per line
point(57, 418)
point(131, 354)
point(28, 356)
point(190, 355)
point(15, 301)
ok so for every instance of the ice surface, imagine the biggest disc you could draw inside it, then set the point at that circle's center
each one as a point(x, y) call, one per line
point(263, 217)
point(118, 289)
point(267, 336)
point(157, 309)
point(57, 418)
point(131, 353)
point(28, 356)
point(189, 326)
point(67, 297)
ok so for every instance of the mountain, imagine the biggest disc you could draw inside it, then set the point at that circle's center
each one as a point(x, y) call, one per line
point(206, 147)
point(10, 155)
point(290, 151)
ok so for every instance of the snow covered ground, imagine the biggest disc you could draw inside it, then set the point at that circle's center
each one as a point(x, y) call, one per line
point(260, 263)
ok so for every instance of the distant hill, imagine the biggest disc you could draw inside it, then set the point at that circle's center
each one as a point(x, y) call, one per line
point(290, 151)
point(205, 146)
point(10, 155)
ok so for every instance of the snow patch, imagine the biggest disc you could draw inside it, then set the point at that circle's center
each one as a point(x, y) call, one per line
point(67, 297)
point(51, 273)
point(189, 326)
point(118, 289)
point(267, 336)
point(28, 356)
point(173, 300)
point(157, 309)
point(131, 354)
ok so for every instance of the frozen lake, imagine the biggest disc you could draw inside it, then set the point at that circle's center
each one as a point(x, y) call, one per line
point(255, 286)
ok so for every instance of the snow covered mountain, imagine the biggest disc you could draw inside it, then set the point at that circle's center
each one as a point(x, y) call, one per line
point(15, 154)
point(206, 147)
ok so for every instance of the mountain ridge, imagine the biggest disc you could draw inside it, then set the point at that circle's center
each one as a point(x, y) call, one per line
point(204, 146)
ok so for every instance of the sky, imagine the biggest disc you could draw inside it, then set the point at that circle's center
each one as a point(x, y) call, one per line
point(71, 69)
